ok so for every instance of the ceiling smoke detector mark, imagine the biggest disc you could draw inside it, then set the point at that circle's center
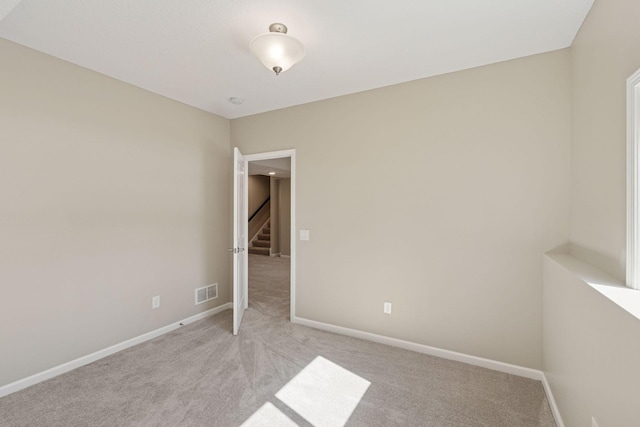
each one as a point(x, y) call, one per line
point(206, 293)
point(236, 101)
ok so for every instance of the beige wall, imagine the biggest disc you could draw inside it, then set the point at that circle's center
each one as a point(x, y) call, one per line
point(109, 195)
point(590, 345)
point(257, 192)
point(284, 211)
point(275, 215)
point(605, 53)
point(591, 349)
point(472, 179)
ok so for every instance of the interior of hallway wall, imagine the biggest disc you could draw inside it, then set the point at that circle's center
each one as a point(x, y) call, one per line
point(284, 216)
point(275, 214)
point(438, 195)
point(257, 192)
point(109, 195)
point(590, 344)
point(280, 216)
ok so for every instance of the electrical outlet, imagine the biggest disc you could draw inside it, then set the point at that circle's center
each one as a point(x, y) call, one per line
point(387, 308)
point(155, 302)
point(593, 422)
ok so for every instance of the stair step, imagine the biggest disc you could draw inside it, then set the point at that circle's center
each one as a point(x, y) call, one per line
point(266, 230)
point(258, 250)
point(263, 236)
point(262, 243)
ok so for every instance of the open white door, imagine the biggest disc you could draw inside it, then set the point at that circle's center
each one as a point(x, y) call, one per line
point(240, 270)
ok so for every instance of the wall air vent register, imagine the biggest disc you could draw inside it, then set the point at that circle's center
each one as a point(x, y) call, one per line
point(206, 293)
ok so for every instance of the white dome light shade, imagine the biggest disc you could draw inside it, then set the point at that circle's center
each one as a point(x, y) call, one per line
point(276, 50)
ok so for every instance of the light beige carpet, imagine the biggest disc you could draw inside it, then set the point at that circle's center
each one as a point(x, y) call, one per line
point(275, 374)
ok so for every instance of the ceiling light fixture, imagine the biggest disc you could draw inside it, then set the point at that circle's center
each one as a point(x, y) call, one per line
point(276, 50)
point(272, 173)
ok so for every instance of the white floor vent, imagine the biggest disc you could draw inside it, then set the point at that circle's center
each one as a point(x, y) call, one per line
point(206, 293)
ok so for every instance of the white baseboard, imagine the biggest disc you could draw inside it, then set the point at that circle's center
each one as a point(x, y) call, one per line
point(89, 358)
point(425, 349)
point(552, 401)
point(381, 339)
point(520, 371)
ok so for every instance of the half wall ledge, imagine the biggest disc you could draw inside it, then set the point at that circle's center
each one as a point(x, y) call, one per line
point(614, 289)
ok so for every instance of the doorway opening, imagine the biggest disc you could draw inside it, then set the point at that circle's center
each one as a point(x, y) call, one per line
point(270, 223)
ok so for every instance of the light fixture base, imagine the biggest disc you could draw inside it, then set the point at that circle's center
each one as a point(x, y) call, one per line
point(278, 28)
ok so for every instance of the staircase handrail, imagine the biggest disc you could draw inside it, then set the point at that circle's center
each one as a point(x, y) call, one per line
point(260, 208)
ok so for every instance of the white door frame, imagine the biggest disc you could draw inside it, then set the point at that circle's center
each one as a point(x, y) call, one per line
point(240, 272)
point(279, 155)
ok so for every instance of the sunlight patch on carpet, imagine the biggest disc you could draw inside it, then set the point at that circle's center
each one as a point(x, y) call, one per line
point(268, 415)
point(323, 393)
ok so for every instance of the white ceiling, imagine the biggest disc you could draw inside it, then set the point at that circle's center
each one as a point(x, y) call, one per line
point(281, 167)
point(196, 51)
